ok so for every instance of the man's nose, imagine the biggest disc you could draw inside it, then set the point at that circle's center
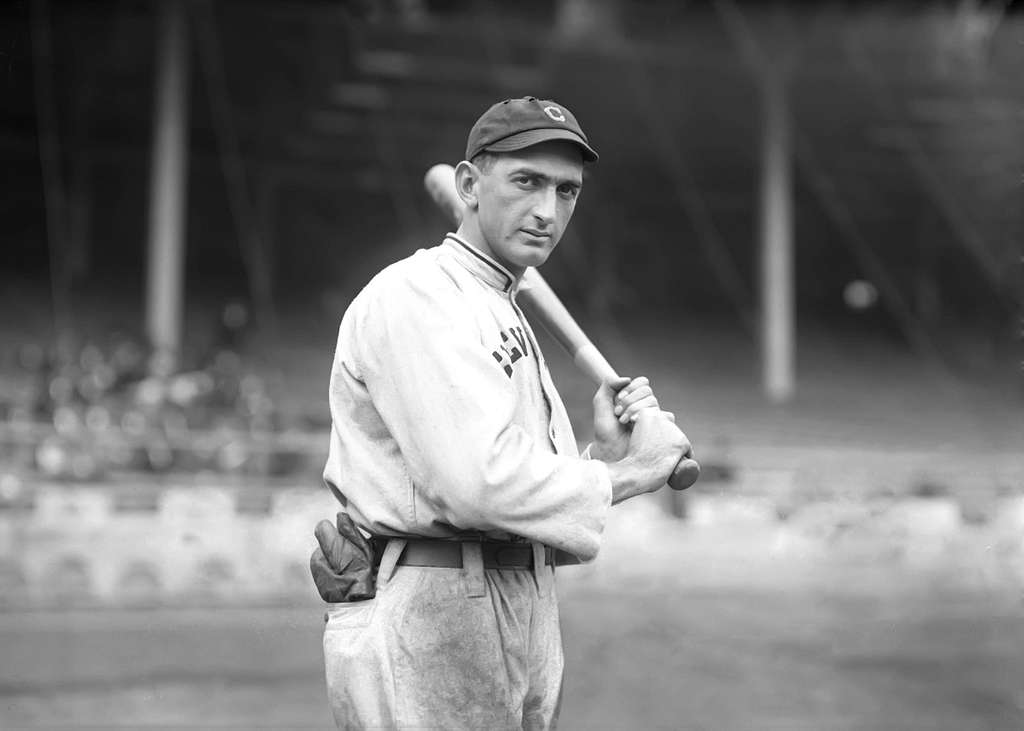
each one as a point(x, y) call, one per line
point(545, 205)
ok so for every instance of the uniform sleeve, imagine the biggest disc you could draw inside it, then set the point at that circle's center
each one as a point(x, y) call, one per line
point(450, 408)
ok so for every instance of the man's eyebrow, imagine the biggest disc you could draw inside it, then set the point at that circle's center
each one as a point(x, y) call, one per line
point(534, 173)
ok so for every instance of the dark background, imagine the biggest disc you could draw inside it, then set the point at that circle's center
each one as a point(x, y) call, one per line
point(312, 123)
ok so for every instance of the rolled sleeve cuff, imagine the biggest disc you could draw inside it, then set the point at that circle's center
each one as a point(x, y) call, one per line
point(601, 497)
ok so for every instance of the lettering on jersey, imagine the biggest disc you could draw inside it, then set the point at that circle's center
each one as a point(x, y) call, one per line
point(513, 347)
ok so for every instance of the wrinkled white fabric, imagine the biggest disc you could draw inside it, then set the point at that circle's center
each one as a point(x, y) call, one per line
point(426, 654)
point(445, 419)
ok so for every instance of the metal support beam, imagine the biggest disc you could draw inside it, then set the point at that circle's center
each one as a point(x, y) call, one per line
point(168, 189)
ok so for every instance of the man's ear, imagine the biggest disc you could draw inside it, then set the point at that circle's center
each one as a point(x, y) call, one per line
point(467, 180)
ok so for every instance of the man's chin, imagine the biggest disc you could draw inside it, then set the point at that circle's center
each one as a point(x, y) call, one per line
point(531, 255)
point(532, 258)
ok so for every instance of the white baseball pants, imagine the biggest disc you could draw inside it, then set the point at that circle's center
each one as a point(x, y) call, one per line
point(443, 648)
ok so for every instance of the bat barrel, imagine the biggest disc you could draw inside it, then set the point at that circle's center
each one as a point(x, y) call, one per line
point(440, 184)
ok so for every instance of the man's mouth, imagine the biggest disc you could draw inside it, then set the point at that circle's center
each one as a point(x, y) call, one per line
point(536, 234)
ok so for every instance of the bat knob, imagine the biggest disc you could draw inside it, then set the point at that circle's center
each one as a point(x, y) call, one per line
point(685, 474)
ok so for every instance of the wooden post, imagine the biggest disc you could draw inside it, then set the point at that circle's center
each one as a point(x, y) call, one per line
point(168, 188)
point(54, 193)
point(778, 312)
point(772, 62)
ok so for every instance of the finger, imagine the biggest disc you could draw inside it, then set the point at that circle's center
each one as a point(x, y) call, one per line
point(625, 399)
point(667, 414)
point(634, 409)
point(634, 384)
point(643, 398)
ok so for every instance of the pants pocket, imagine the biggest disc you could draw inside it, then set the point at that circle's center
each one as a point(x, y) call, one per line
point(349, 615)
point(358, 684)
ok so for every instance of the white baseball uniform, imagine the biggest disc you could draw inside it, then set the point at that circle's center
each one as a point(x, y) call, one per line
point(445, 424)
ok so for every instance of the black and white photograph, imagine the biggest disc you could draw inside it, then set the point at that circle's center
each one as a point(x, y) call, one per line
point(467, 364)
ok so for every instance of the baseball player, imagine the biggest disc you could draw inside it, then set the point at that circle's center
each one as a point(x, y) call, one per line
point(451, 449)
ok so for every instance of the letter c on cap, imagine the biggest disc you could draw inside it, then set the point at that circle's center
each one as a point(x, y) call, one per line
point(555, 113)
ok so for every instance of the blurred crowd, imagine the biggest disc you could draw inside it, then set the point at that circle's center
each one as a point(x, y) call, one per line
point(83, 410)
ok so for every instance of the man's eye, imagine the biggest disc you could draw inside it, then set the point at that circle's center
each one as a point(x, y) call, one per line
point(523, 180)
point(569, 192)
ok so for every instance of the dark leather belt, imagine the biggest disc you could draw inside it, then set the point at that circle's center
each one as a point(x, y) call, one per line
point(439, 553)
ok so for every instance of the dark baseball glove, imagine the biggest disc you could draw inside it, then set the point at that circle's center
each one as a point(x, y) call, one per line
point(343, 565)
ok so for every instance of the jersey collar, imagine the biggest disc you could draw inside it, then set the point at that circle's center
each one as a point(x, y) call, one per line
point(480, 264)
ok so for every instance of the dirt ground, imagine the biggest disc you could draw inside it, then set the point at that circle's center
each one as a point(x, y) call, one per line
point(675, 659)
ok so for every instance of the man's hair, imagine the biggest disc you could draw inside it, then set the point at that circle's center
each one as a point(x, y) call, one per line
point(484, 160)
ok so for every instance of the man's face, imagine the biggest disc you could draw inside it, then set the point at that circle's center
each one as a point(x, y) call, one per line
point(526, 199)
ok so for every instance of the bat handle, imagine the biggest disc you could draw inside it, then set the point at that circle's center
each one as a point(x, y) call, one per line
point(685, 474)
point(589, 359)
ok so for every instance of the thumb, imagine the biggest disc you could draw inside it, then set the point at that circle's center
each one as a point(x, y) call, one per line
point(604, 398)
point(617, 384)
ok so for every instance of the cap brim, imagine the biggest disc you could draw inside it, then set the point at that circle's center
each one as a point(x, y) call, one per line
point(531, 137)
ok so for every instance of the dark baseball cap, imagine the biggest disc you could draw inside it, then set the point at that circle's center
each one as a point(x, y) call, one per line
point(518, 123)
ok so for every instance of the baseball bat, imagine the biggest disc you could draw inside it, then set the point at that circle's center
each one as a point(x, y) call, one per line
point(546, 307)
